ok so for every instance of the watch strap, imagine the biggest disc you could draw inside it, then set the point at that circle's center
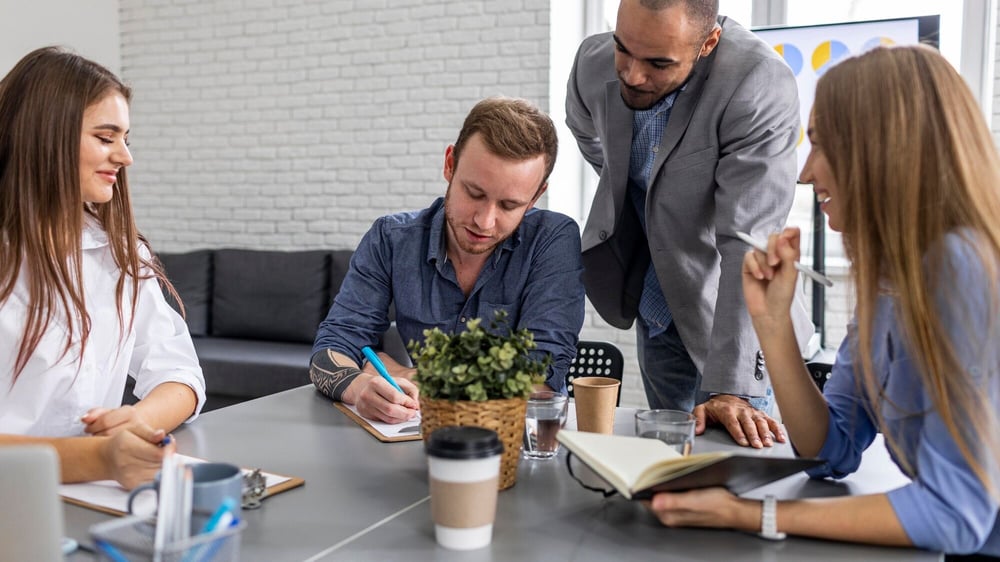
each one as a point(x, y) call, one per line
point(769, 520)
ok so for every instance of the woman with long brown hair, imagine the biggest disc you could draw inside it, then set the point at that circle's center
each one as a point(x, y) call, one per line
point(80, 302)
point(905, 167)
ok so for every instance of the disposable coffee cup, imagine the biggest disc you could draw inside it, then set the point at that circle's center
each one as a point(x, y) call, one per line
point(464, 469)
point(596, 399)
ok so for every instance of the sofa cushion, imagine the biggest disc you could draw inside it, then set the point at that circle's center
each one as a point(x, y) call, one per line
point(191, 275)
point(270, 295)
point(250, 369)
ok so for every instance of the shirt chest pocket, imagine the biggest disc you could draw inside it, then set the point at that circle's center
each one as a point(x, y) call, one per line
point(488, 310)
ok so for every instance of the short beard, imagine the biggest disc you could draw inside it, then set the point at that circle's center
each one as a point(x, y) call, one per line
point(451, 225)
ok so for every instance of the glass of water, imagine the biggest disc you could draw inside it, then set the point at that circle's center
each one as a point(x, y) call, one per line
point(673, 427)
point(546, 415)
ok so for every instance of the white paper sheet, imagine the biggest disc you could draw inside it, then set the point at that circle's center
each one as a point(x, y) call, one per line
point(391, 429)
point(109, 494)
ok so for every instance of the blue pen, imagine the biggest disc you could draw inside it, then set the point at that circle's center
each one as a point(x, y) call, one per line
point(110, 551)
point(374, 360)
point(221, 519)
point(208, 551)
point(213, 524)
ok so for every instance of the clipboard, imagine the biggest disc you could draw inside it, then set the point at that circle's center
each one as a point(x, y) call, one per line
point(384, 432)
point(107, 496)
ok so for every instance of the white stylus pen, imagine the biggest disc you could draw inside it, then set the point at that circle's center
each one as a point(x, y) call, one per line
point(806, 270)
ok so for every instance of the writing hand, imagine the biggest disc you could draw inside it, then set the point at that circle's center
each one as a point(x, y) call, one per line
point(379, 401)
point(134, 455)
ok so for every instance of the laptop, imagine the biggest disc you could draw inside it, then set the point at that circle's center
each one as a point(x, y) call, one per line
point(31, 515)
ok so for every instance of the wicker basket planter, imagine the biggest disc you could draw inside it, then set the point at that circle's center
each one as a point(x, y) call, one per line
point(504, 416)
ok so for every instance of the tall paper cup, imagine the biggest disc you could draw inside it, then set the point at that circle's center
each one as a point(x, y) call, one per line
point(464, 468)
point(596, 398)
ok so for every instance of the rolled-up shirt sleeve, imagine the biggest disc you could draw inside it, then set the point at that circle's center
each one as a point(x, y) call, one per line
point(163, 349)
point(851, 429)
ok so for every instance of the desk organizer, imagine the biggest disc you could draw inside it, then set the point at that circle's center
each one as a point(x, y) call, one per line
point(131, 539)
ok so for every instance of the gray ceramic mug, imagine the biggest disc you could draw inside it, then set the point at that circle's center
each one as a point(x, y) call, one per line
point(213, 482)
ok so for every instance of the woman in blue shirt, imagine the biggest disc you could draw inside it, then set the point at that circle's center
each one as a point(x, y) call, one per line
point(905, 167)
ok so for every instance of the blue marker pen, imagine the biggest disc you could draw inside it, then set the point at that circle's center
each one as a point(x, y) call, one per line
point(215, 522)
point(223, 517)
point(110, 551)
point(377, 363)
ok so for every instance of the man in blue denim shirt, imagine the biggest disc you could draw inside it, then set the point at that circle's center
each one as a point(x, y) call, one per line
point(479, 249)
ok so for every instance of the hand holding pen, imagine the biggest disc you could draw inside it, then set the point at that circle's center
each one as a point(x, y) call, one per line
point(770, 278)
point(373, 358)
point(384, 398)
point(134, 456)
point(806, 270)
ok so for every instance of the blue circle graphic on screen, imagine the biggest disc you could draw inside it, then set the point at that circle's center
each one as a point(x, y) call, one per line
point(827, 54)
point(792, 56)
point(877, 42)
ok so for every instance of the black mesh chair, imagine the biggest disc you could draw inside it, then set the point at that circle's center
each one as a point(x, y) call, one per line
point(596, 359)
point(821, 365)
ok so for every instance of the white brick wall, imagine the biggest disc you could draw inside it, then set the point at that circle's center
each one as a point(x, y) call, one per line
point(293, 124)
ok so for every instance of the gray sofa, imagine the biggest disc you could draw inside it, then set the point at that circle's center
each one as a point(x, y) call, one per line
point(253, 315)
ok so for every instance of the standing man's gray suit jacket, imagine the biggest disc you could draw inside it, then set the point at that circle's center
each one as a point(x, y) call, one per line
point(726, 163)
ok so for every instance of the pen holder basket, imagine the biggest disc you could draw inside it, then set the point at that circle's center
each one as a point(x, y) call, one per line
point(503, 415)
point(131, 539)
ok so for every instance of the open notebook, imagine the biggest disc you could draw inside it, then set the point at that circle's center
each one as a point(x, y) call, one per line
point(109, 497)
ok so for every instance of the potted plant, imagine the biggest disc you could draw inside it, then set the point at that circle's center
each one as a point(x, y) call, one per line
point(479, 377)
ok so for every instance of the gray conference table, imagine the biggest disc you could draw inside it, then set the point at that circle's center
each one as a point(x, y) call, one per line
point(366, 500)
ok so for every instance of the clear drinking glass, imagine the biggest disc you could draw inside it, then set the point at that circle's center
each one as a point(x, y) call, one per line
point(546, 415)
point(673, 427)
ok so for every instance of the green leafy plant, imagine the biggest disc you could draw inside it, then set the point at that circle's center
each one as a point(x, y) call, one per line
point(478, 364)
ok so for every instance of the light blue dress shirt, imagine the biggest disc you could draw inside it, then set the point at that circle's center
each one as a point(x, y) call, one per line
point(945, 508)
point(647, 132)
point(535, 275)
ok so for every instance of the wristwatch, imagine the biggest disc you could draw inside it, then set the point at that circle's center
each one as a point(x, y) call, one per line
point(769, 520)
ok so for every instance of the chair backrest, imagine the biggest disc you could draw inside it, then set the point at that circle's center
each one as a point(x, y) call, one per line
point(596, 359)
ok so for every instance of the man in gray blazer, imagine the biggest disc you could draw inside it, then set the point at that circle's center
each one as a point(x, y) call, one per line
point(691, 122)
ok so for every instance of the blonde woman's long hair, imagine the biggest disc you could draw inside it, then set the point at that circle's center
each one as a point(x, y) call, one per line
point(914, 161)
point(42, 101)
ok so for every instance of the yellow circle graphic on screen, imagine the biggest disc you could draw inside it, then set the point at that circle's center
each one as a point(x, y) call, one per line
point(802, 136)
point(827, 54)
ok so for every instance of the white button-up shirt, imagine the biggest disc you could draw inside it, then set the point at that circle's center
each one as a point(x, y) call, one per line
point(55, 389)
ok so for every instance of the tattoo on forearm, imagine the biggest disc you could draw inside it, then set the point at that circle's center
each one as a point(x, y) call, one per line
point(329, 377)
